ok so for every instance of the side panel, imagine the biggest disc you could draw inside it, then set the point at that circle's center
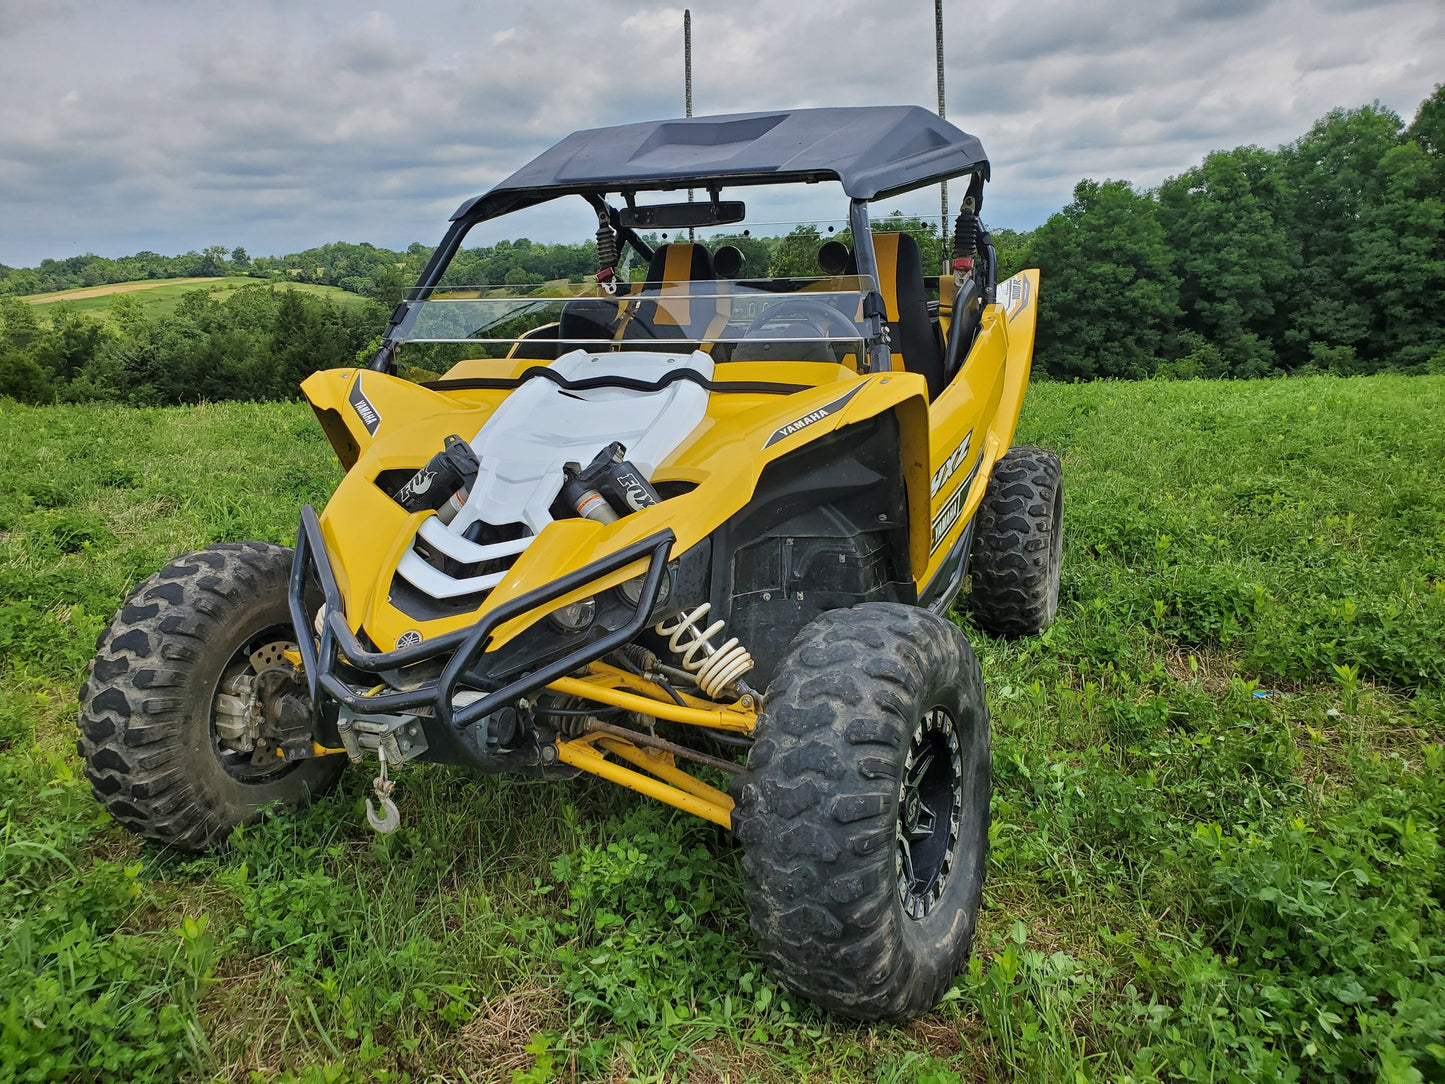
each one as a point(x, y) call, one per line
point(972, 421)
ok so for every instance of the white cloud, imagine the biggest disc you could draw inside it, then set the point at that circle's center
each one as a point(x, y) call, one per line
point(168, 125)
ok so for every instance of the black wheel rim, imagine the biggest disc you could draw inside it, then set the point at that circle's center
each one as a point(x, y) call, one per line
point(930, 810)
point(238, 765)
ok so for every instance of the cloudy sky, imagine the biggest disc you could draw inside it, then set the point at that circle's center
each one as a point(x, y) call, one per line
point(150, 124)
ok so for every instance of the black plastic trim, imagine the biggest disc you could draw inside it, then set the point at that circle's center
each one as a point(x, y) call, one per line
point(511, 383)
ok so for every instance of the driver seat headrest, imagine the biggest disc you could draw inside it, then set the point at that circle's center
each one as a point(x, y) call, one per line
point(669, 307)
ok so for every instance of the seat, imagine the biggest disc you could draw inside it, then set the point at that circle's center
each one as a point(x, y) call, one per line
point(669, 308)
point(913, 339)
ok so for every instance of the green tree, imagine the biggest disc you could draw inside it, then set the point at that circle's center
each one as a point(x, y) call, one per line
point(1109, 294)
point(1012, 249)
point(1398, 262)
point(1334, 177)
point(922, 231)
point(1232, 253)
point(1427, 130)
point(796, 255)
point(757, 252)
point(19, 327)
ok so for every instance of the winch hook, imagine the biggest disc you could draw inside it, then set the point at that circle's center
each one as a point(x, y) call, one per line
point(389, 819)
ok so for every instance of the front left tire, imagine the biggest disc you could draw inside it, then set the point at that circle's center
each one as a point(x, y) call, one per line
point(864, 811)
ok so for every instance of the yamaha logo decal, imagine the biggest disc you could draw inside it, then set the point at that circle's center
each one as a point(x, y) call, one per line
point(369, 415)
point(949, 513)
point(410, 638)
point(811, 417)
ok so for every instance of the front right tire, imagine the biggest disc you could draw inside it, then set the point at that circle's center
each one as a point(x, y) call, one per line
point(148, 737)
point(864, 811)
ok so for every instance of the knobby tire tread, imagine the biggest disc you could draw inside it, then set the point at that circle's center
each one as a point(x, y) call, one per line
point(816, 811)
point(1014, 563)
point(135, 740)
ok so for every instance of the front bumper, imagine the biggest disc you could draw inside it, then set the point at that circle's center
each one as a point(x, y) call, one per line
point(334, 659)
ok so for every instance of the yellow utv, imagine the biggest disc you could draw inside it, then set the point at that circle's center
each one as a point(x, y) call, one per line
point(689, 525)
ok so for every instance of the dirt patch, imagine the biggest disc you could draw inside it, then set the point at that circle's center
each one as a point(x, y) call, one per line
point(491, 1043)
point(721, 1062)
point(117, 288)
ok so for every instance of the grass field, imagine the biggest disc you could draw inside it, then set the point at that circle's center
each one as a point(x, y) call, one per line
point(160, 296)
point(1216, 848)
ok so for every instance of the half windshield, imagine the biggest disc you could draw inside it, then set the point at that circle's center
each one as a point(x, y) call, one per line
point(767, 289)
point(799, 319)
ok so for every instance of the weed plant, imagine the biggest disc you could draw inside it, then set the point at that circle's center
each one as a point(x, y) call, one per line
point(1216, 846)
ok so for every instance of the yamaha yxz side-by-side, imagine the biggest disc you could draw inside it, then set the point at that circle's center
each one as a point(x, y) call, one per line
point(688, 525)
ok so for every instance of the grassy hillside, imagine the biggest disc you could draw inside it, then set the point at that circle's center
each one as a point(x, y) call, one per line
point(1215, 850)
point(160, 296)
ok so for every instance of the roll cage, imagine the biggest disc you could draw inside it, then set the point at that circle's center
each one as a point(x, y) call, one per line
point(873, 152)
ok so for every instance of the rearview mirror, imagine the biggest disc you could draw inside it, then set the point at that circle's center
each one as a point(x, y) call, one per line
point(676, 216)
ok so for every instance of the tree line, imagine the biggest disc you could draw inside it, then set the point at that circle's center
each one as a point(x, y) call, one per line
point(260, 343)
point(1325, 254)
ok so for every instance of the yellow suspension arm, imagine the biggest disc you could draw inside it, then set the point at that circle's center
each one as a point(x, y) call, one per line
point(673, 786)
point(609, 685)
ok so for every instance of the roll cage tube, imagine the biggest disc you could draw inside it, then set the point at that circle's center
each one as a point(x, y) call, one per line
point(879, 352)
point(431, 274)
point(880, 358)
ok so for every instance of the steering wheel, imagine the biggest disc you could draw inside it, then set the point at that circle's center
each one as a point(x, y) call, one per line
point(821, 315)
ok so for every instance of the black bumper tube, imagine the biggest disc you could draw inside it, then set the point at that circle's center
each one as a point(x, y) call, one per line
point(465, 646)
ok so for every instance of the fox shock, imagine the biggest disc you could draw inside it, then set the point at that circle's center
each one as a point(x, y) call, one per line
point(714, 669)
point(607, 254)
point(965, 238)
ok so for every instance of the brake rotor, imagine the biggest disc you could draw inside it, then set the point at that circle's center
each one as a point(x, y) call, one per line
point(272, 654)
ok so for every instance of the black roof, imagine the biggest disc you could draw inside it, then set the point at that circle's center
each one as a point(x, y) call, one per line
point(873, 150)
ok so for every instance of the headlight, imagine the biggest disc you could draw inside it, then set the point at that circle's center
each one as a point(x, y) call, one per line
point(631, 590)
point(575, 616)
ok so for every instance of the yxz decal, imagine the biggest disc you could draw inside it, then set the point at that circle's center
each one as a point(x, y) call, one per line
point(369, 415)
point(949, 513)
point(951, 464)
point(811, 417)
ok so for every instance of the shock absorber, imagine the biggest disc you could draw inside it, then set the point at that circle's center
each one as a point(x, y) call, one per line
point(607, 254)
point(965, 238)
point(713, 668)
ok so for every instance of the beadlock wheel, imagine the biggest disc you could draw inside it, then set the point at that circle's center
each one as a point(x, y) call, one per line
point(930, 805)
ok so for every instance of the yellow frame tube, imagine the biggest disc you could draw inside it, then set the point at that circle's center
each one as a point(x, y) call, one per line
point(580, 754)
point(620, 679)
point(603, 688)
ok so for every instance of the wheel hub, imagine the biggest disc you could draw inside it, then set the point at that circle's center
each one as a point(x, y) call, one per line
point(243, 711)
point(930, 805)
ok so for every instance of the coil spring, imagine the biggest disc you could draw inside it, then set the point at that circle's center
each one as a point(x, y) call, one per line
point(713, 668)
point(606, 248)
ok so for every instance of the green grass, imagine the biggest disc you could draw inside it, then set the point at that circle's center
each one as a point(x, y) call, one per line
point(1215, 850)
point(161, 296)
